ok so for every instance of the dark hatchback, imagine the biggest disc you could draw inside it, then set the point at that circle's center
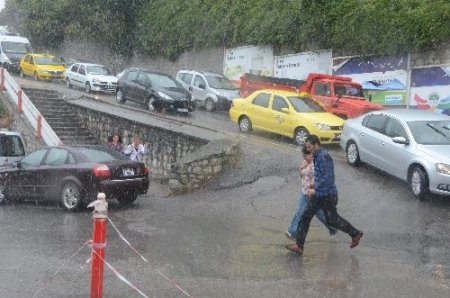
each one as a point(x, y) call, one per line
point(156, 90)
point(74, 175)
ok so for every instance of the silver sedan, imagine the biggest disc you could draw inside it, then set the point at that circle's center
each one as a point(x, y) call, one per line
point(412, 145)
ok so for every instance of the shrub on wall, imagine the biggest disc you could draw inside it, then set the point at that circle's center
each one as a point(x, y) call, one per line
point(170, 27)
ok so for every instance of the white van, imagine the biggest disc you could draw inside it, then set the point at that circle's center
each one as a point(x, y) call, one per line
point(12, 49)
point(11, 147)
point(208, 89)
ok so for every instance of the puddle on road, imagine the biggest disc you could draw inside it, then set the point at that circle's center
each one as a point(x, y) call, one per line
point(261, 253)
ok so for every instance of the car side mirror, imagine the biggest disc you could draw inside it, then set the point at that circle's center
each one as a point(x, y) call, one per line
point(285, 110)
point(400, 140)
point(202, 86)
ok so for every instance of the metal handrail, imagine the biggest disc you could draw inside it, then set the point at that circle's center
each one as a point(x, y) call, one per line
point(30, 111)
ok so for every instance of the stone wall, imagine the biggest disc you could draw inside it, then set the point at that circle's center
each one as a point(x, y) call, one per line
point(165, 147)
point(206, 59)
point(439, 56)
point(202, 166)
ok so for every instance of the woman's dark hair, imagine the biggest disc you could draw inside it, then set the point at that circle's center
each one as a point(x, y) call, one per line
point(110, 138)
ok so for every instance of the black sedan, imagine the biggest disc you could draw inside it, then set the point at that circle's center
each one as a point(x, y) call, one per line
point(74, 175)
point(156, 90)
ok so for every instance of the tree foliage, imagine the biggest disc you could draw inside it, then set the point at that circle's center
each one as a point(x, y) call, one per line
point(170, 27)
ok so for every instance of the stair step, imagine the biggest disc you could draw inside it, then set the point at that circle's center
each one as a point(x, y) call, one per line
point(53, 114)
point(59, 115)
point(73, 133)
point(51, 105)
point(71, 141)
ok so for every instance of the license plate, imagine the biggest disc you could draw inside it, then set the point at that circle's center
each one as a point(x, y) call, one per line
point(128, 172)
point(183, 110)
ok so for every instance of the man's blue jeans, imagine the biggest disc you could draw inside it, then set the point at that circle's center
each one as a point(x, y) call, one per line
point(302, 201)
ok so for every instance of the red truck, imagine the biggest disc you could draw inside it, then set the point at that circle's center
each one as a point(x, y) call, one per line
point(338, 95)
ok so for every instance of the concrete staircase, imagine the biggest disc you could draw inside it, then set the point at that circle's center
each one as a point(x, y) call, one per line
point(59, 115)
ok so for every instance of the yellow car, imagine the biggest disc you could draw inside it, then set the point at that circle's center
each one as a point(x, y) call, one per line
point(41, 67)
point(286, 113)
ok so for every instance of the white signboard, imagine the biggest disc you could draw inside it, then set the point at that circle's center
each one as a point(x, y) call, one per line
point(249, 59)
point(298, 66)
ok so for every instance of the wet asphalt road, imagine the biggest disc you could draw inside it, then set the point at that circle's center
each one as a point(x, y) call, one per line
point(227, 240)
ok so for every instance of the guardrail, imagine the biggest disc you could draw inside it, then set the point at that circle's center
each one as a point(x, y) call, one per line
point(25, 106)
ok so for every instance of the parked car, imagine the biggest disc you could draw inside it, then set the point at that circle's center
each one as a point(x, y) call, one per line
point(12, 147)
point(208, 89)
point(412, 145)
point(91, 77)
point(155, 90)
point(286, 113)
point(41, 67)
point(74, 175)
point(12, 49)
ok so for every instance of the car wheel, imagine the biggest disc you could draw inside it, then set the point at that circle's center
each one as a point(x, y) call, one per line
point(3, 198)
point(87, 87)
point(21, 74)
point(128, 200)
point(68, 84)
point(300, 136)
point(418, 182)
point(36, 77)
point(120, 98)
point(353, 154)
point(151, 104)
point(210, 105)
point(245, 125)
point(191, 106)
point(71, 196)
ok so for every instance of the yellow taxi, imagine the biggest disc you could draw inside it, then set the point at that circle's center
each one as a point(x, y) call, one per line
point(41, 67)
point(286, 113)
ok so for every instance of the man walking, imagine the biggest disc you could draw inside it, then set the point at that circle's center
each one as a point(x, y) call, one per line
point(323, 196)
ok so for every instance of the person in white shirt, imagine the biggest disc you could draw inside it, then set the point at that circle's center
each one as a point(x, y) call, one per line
point(136, 149)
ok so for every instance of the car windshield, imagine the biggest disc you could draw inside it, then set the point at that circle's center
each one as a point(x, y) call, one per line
point(348, 90)
point(305, 105)
point(101, 154)
point(162, 81)
point(16, 47)
point(431, 132)
point(11, 145)
point(98, 70)
point(46, 60)
point(218, 82)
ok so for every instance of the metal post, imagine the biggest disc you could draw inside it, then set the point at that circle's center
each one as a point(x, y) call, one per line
point(19, 101)
point(2, 79)
point(98, 244)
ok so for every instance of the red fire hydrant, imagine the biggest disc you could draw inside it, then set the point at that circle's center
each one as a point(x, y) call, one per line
point(100, 216)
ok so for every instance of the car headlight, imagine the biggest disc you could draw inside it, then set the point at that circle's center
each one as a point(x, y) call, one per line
point(96, 81)
point(321, 126)
point(165, 96)
point(6, 58)
point(443, 168)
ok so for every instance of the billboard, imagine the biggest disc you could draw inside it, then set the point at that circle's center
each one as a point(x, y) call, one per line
point(298, 66)
point(430, 89)
point(249, 59)
point(383, 78)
